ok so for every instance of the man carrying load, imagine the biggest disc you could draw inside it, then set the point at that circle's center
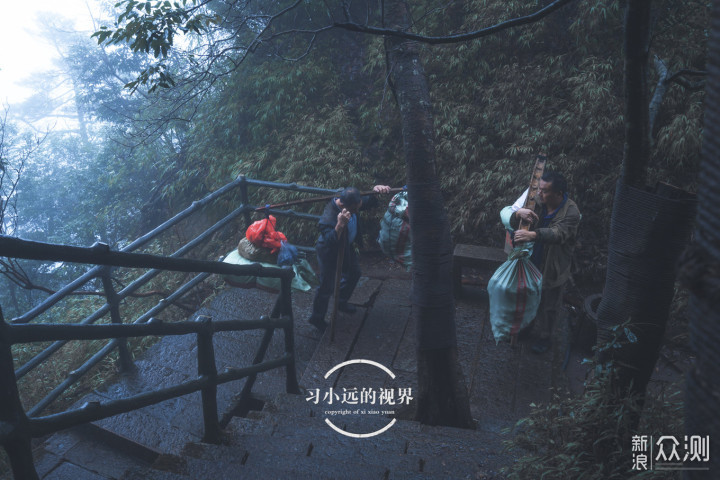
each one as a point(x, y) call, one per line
point(339, 223)
point(553, 228)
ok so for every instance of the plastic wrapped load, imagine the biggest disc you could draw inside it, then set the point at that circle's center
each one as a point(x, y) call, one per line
point(256, 254)
point(288, 255)
point(263, 234)
point(394, 239)
point(304, 275)
point(514, 291)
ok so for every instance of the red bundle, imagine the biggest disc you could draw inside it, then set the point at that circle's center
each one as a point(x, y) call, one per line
point(263, 234)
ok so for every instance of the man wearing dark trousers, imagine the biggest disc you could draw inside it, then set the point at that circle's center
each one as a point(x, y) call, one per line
point(340, 221)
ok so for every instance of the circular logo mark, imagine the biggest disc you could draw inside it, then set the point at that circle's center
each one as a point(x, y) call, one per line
point(360, 435)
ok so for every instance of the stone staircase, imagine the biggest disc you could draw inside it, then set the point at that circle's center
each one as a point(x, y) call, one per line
point(289, 439)
point(285, 436)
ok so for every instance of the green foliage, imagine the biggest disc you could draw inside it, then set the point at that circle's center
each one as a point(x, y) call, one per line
point(329, 119)
point(151, 27)
point(567, 438)
point(555, 86)
point(589, 436)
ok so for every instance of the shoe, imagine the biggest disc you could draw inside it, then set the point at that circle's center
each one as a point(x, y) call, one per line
point(541, 346)
point(318, 323)
point(347, 308)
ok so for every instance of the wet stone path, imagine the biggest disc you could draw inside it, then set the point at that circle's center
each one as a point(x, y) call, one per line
point(502, 382)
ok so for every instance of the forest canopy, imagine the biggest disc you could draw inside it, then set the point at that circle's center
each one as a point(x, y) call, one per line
point(312, 105)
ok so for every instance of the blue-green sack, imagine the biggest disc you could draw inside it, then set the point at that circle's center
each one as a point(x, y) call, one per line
point(395, 239)
point(514, 291)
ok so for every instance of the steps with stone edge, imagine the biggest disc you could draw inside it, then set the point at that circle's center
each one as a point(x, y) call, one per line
point(289, 439)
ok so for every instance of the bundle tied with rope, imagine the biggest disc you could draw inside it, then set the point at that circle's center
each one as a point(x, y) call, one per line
point(515, 287)
point(264, 244)
point(262, 241)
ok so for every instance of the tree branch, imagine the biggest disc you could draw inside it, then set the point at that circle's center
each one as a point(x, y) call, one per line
point(663, 81)
point(685, 83)
point(658, 95)
point(461, 37)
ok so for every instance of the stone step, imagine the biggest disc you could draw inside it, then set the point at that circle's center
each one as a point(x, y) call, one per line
point(290, 452)
point(408, 446)
point(471, 451)
point(355, 424)
point(292, 404)
point(153, 474)
point(271, 456)
point(311, 467)
point(379, 339)
point(247, 425)
point(87, 452)
point(296, 406)
point(330, 353)
point(310, 437)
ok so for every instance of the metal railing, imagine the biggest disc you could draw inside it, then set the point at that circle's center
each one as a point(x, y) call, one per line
point(17, 427)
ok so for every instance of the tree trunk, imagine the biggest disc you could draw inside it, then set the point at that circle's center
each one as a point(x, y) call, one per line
point(649, 229)
point(701, 272)
point(637, 114)
point(442, 397)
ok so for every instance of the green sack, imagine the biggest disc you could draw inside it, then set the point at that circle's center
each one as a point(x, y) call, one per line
point(394, 238)
point(304, 275)
point(514, 291)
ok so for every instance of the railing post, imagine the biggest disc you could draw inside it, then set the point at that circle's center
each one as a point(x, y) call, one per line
point(259, 357)
point(124, 357)
point(245, 200)
point(14, 424)
point(207, 369)
point(283, 307)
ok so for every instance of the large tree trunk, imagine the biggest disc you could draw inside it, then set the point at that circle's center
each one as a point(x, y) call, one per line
point(637, 104)
point(442, 398)
point(649, 229)
point(701, 272)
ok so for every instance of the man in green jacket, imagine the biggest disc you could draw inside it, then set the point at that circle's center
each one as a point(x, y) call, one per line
point(554, 224)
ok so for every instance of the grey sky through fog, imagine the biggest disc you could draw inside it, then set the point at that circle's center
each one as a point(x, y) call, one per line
point(22, 50)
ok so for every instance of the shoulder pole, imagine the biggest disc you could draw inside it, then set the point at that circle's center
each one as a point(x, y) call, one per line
point(318, 199)
point(338, 275)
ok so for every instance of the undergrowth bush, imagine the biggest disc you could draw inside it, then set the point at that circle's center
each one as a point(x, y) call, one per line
point(590, 436)
point(561, 440)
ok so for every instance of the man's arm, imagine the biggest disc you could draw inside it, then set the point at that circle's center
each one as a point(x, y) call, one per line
point(563, 231)
point(371, 201)
point(516, 212)
point(331, 224)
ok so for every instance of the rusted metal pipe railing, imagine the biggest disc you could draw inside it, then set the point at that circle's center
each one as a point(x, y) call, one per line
point(17, 427)
point(95, 411)
point(100, 254)
point(137, 243)
point(60, 331)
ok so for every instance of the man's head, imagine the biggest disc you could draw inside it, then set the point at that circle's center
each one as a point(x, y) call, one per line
point(351, 199)
point(551, 189)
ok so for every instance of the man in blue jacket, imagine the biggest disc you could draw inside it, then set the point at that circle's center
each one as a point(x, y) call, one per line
point(340, 220)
